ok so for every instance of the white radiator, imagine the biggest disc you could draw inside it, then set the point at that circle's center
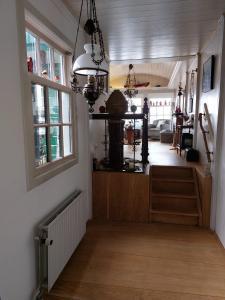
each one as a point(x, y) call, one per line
point(59, 235)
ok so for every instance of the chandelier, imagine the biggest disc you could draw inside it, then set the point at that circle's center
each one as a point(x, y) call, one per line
point(179, 94)
point(92, 64)
point(130, 84)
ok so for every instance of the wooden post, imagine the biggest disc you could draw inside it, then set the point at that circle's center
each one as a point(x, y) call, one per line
point(116, 144)
point(144, 152)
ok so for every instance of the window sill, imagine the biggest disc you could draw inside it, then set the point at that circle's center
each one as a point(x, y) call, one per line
point(44, 173)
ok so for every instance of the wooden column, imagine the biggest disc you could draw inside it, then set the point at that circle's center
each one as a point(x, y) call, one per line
point(116, 144)
point(144, 152)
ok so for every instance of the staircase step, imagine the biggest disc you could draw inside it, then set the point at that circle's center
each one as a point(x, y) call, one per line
point(173, 218)
point(171, 211)
point(173, 187)
point(172, 172)
point(174, 202)
point(172, 180)
point(174, 195)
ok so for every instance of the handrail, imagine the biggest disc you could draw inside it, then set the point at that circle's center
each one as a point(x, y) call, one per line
point(204, 132)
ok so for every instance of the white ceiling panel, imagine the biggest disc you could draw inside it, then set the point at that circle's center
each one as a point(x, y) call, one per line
point(154, 28)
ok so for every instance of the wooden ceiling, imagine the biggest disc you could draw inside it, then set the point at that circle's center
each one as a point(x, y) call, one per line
point(154, 28)
point(155, 73)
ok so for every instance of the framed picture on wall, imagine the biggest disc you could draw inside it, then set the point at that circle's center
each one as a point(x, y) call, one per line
point(208, 74)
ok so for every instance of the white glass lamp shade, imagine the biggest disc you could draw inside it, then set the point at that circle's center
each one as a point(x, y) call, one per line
point(84, 64)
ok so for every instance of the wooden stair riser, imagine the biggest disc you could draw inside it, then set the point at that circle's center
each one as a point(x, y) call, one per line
point(172, 172)
point(174, 219)
point(173, 187)
point(174, 203)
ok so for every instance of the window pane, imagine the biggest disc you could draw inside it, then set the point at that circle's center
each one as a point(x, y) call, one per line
point(45, 57)
point(167, 110)
point(31, 45)
point(55, 142)
point(66, 109)
point(38, 104)
point(139, 110)
point(67, 138)
point(58, 67)
point(53, 106)
point(152, 110)
point(160, 110)
point(40, 141)
point(136, 101)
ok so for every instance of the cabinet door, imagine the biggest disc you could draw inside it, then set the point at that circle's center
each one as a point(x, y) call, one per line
point(128, 197)
point(100, 195)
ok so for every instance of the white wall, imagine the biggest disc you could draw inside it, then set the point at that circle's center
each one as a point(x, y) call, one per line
point(216, 105)
point(215, 100)
point(97, 131)
point(20, 210)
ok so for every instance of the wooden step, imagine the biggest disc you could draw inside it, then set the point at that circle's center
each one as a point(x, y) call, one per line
point(174, 195)
point(171, 172)
point(174, 202)
point(187, 212)
point(173, 187)
point(172, 179)
point(173, 218)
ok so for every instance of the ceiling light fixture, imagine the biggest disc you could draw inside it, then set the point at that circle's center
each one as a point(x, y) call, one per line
point(130, 91)
point(92, 65)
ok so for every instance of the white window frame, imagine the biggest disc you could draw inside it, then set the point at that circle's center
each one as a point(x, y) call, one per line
point(159, 106)
point(37, 175)
point(39, 36)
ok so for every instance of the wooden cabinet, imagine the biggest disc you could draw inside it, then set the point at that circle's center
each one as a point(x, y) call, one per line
point(120, 196)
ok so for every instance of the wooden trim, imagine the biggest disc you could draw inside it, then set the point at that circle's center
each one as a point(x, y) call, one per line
point(198, 198)
point(150, 195)
point(49, 83)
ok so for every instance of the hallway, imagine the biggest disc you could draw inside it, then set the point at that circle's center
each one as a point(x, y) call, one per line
point(117, 261)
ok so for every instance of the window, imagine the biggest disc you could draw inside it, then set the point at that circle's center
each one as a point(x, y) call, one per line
point(50, 102)
point(52, 124)
point(137, 102)
point(43, 59)
point(159, 108)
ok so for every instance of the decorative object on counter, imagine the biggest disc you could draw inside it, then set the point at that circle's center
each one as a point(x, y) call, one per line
point(95, 164)
point(133, 108)
point(30, 64)
point(102, 109)
point(177, 110)
point(92, 64)
point(130, 134)
point(130, 91)
point(208, 74)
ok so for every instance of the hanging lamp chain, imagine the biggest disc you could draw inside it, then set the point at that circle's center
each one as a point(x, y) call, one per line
point(96, 37)
point(78, 28)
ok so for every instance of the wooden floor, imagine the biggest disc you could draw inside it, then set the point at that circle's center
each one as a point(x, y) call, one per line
point(159, 154)
point(117, 261)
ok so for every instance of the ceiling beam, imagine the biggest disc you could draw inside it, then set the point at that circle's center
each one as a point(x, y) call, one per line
point(151, 60)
